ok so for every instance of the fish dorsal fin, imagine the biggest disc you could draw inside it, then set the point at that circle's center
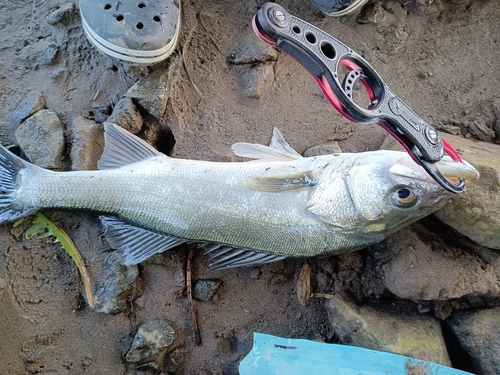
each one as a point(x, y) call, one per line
point(137, 244)
point(223, 257)
point(278, 149)
point(122, 148)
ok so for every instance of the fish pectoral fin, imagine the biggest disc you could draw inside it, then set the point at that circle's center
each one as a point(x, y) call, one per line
point(278, 150)
point(223, 257)
point(282, 183)
point(122, 148)
point(137, 244)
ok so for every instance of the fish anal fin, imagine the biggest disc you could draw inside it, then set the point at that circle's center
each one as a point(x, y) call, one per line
point(136, 244)
point(223, 257)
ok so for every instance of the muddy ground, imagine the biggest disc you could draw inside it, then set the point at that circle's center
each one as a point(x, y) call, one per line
point(440, 56)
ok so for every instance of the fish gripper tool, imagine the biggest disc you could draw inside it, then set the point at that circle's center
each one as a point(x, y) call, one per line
point(339, 71)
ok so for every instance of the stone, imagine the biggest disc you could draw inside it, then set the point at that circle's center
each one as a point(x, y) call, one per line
point(126, 115)
point(205, 289)
point(33, 103)
point(255, 80)
point(87, 143)
point(3, 285)
point(480, 130)
point(424, 266)
point(101, 111)
point(151, 338)
point(478, 333)
point(324, 149)
point(41, 137)
point(62, 15)
point(388, 329)
point(113, 289)
point(151, 92)
point(251, 51)
point(42, 52)
point(476, 212)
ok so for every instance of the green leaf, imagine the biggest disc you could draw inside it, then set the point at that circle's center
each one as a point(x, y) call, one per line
point(40, 224)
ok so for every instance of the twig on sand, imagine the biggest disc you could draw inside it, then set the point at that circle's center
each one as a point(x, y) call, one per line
point(189, 290)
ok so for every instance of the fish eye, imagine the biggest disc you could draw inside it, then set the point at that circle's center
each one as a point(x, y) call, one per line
point(403, 197)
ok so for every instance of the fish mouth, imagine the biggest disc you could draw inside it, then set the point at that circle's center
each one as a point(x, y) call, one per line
point(449, 168)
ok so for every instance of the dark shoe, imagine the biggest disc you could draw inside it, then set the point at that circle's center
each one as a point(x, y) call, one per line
point(338, 8)
point(136, 31)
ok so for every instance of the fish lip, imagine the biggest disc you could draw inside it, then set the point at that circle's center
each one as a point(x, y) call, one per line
point(452, 170)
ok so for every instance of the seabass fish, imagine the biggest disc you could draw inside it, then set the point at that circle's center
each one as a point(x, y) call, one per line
point(279, 205)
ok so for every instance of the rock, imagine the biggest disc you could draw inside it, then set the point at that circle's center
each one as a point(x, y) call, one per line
point(388, 329)
point(205, 289)
point(62, 15)
point(255, 80)
point(480, 130)
point(251, 51)
point(33, 103)
point(87, 143)
point(114, 287)
point(43, 52)
point(425, 267)
point(41, 137)
point(101, 111)
point(3, 285)
point(476, 212)
point(126, 115)
point(324, 149)
point(152, 91)
point(478, 334)
point(151, 338)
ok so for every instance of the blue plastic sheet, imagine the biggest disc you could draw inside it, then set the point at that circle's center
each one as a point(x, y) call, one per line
point(273, 355)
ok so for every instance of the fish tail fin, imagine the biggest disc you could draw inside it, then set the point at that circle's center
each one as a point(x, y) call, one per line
point(10, 166)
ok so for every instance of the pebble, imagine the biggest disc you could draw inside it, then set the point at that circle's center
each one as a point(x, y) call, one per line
point(126, 115)
point(87, 143)
point(324, 149)
point(41, 137)
point(151, 92)
point(250, 50)
point(43, 52)
point(255, 80)
point(478, 333)
point(151, 338)
point(388, 328)
point(205, 289)
point(33, 102)
point(3, 285)
point(113, 289)
point(61, 15)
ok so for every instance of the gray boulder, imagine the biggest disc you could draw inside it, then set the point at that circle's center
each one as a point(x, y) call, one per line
point(126, 115)
point(87, 143)
point(41, 137)
point(113, 289)
point(388, 329)
point(421, 266)
point(478, 334)
point(33, 102)
point(151, 92)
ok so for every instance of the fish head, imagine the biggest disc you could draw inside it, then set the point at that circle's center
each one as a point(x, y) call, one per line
point(390, 191)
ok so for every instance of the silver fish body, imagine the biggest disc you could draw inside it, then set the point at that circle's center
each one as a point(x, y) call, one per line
point(278, 206)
